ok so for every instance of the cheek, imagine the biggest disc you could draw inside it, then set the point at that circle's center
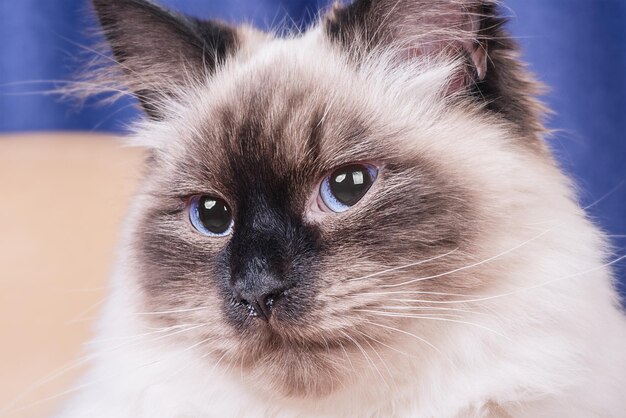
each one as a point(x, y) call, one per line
point(406, 241)
point(175, 265)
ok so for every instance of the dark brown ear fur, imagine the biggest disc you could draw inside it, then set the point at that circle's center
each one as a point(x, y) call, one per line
point(472, 29)
point(159, 50)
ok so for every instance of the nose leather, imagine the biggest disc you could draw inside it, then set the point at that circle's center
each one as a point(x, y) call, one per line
point(259, 293)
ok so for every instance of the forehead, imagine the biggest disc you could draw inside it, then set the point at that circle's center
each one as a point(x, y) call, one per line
point(292, 111)
point(278, 122)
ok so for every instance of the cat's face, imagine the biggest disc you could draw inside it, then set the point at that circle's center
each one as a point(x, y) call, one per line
point(302, 196)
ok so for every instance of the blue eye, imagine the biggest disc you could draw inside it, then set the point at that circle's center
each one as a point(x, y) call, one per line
point(346, 186)
point(211, 216)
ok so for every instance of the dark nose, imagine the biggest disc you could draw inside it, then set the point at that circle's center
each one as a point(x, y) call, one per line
point(259, 296)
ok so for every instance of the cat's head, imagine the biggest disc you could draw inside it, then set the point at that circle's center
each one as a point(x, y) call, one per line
point(316, 200)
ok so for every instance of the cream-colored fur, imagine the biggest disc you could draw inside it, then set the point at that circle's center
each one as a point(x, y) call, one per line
point(544, 337)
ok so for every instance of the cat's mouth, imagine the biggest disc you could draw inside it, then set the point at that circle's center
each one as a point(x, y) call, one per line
point(275, 324)
point(298, 363)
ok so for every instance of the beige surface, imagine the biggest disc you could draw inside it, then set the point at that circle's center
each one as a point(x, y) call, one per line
point(62, 198)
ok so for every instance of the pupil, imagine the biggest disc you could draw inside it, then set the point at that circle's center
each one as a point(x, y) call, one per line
point(214, 214)
point(349, 184)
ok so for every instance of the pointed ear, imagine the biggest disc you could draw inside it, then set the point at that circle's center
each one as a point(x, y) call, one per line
point(415, 28)
point(161, 52)
point(470, 29)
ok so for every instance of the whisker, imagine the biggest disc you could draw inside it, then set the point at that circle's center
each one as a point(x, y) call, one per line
point(404, 266)
point(510, 250)
point(81, 316)
point(433, 318)
point(200, 308)
point(68, 367)
point(215, 367)
point(384, 345)
point(432, 308)
point(417, 292)
point(413, 336)
point(516, 291)
point(56, 396)
point(396, 313)
point(379, 357)
point(479, 263)
point(606, 195)
point(75, 389)
point(347, 356)
point(367, 358)
point(178, 353)
point(154, 331)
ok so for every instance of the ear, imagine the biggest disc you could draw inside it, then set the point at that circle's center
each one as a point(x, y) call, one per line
point(161, 52)
point(469, 29)
point(415, 28)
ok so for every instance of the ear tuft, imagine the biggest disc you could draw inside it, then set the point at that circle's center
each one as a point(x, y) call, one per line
point(161, 52)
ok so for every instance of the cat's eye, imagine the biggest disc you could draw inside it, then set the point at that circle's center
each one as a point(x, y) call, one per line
point(344, 187)
point(211, 216)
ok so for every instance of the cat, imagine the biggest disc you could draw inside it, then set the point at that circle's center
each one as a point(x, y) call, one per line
point(360, 220)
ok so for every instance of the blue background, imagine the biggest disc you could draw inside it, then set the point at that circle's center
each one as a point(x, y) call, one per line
point(577, 48)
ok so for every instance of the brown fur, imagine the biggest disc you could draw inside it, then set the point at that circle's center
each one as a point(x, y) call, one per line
point(470, 28)
point(263, 141)
point(417, 210)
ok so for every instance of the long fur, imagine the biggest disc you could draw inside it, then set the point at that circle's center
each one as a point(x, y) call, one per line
point(467, 283)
